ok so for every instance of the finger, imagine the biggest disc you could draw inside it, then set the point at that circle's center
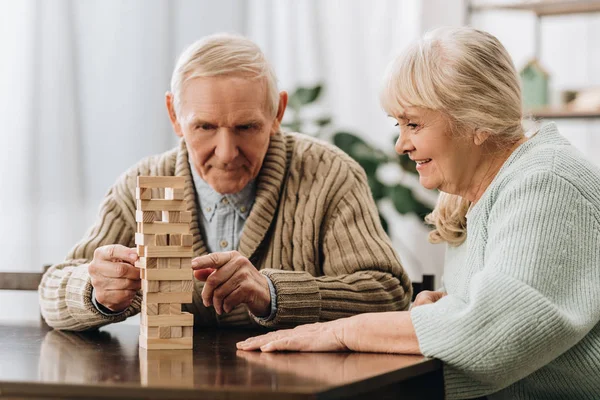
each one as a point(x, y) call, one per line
point(219, 277)
point(290, 343)
point(232, 300)
point(254, 343)
point(116, 300)
point(203, 274)
point(213, 260)
point(116, 252)
point(111, 269)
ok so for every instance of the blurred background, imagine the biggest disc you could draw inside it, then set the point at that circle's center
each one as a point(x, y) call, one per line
point(83, 83)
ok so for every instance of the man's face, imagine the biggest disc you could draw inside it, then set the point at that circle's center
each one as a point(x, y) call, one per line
point(227, 125)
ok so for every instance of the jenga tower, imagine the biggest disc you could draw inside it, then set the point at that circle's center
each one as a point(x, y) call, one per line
point(164, 245)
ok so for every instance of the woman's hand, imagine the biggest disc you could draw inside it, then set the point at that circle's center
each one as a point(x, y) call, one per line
point(427, 297)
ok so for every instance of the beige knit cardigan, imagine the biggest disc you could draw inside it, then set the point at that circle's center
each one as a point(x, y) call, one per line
point(313, 230)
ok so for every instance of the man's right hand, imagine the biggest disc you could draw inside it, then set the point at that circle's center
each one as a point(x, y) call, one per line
point(114, 276)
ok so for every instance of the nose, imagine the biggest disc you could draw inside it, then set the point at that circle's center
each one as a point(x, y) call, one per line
point(404, 144)
point(227, 148)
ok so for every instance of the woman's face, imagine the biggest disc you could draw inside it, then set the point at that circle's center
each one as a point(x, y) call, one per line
point(444, 160)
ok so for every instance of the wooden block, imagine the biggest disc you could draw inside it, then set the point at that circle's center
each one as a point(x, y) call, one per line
point(145, 240)
point(186, 263)
point(164, 332)
point(163, 227)
point(176, 331)
point(164, 309)
point(175, 240)
point(174, 309)
point(161, 205)
point(147, 263)
point(143, 193)
point(150, 286)
point(176, 286)
point(171, 216)
point(187, 240)
point(141, 250)
point(162, 297)
point(183, 343)
point(188, 331)
point(183, 319)
point(187, 286)
point(162, 240)
point(173, 194)
point(142, 273)
point(169, 251)
point(177, 182)
point(149, 331)
point(163, 263)
point(168, 274)
point(164, 286)
point(149, 309)
point(146, 216)
point(174, 263)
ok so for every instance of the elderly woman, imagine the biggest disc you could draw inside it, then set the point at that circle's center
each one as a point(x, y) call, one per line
point(519, 316)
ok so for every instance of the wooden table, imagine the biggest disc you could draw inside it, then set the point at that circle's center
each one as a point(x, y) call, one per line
point(38, 362)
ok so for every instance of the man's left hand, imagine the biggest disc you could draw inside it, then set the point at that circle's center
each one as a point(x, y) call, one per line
point(231, 280)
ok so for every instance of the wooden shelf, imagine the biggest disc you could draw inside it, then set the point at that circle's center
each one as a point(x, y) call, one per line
point(544, 7)
point(561, 113)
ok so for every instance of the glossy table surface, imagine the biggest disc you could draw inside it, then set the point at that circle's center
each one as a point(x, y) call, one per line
point(36, 361)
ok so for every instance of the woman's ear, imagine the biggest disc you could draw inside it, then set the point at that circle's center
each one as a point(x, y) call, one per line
point(480, 136)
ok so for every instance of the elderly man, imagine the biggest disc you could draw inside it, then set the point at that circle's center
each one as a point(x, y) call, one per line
point(285, 228)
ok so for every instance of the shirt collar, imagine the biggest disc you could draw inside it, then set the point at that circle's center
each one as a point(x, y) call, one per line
point(210, 200)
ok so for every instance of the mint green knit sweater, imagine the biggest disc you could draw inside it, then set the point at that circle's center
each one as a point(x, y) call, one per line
point(522, 315)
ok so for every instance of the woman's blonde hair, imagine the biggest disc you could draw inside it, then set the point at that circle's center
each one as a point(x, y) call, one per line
point(469, 76)
point(224, 55)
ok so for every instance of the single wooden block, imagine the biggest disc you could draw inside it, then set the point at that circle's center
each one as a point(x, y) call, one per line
point(142, 273)
point(161, 205)
point(177, 182)
point(145, 240)
point(186, 263)
point(163, 263)
point(187, 286)
point(149, 309)
point(149, 331)
point(141, 250)
point(188, 331)
point(164, 332)
point(183, 343)
point(164, 309)
point(168, 274)
point(174, 309)
point(183, 319)
point(145, 216)
point(167, 297)
point(143, 193)
point(175, 240)
point(147, 263)
point(176, 331)
point(150, 286)
point(162, 240)
point(174, 263)
point(163, 227)
point(177, 286)
point(169, 251)
point(164, 286)
point(187, 240)
point(171, 216)
point(173, 194)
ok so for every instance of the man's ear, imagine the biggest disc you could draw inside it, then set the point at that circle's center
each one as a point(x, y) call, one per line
point(480, 136)
point(283, 100)
point(169, 101)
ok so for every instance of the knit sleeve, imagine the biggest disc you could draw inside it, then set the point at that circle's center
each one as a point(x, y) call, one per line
point(535, 295)
point(359, 270)
point(65, 291)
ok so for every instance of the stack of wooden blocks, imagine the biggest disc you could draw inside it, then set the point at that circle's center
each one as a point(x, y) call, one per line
point(164, 245)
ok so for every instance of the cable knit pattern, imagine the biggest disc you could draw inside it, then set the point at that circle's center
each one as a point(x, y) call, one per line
point(313, 230)
point(522, 315)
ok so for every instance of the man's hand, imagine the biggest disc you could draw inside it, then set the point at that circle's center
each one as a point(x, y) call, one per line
point(427, 297)
point(231, 279)
point(114, 277)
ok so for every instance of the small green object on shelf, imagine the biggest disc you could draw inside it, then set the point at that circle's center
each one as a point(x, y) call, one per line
point(534, 80)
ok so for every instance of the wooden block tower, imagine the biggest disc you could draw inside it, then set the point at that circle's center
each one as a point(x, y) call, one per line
point(164, 245)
